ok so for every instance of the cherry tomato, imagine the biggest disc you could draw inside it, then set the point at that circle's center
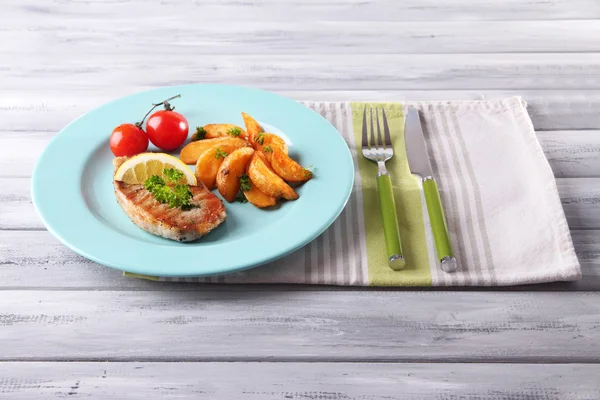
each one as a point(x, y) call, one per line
point(167, 129)
point(128, 140)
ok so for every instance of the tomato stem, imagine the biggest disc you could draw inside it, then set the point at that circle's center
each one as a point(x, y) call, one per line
point(164, 103)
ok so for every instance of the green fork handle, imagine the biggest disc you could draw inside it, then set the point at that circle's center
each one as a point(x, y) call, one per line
point(391, 229)
point(438, 225)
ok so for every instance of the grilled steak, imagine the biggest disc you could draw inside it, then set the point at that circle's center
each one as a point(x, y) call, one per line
point(145, 211)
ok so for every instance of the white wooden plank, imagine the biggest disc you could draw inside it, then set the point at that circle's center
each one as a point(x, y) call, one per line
point(91, 71)
point(16, 207)
point(53, 108)
point(581, 201)
point(571, 154)
point(89, 33)
point(19, 151)
point(293, 10)
point(265, 381)
point(299, 326)
point(587, 246)
point(36, 260)
point(580, 198)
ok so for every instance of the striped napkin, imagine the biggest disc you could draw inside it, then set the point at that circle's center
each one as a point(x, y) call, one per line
point(504, 214)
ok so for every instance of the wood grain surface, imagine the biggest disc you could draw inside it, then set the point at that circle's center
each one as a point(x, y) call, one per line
point(71, 328)
point(517, 71)
point(548, 109)
point(309, 10)
point(299, 326)
point(270, 381)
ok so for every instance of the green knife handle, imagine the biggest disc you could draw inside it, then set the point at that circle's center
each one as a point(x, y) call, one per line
point(438, 225)
point(391, 230)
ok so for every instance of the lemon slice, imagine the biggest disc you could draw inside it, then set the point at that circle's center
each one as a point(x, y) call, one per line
point(141, 167)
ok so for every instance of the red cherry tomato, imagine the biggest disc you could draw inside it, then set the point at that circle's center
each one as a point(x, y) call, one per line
point(128, 140)
point(167, 129)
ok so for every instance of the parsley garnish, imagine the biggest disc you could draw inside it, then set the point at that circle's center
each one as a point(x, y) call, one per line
point(235, 132)
point(154, 184)
point(260, 139)
point(178, 195)
point(241, 198)
point(244, 186)
point(268, 149)
point(200, 134)
point(220, 153)
point(172, 174)
point(307, 172)
point(245, 183)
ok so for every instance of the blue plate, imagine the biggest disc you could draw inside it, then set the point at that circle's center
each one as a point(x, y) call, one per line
point(73, 193)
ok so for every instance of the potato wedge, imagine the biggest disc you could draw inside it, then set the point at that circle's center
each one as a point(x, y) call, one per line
point(258, 198)
point(267, 180)
point(252, 127)
point(287, 168)
point(228, 175)
point(266, 142)
point(219, 130)
point(190, 153)
point(209, 162)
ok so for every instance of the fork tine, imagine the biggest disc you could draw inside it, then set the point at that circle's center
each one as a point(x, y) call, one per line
point(373, 143)
point(386, 131)
point(379, 139)
point(365, 141)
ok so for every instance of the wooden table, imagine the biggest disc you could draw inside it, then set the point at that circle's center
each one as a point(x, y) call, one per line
point(71, 327)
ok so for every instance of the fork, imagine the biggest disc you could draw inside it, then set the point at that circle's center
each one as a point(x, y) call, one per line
point(381, 151)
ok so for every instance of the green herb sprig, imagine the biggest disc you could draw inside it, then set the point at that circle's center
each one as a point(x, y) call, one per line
point(245, 183)
point(235, 132)
point(220, 153)
point(307, 172)
point(173, 175)
point(260, 139)
point(176, 195)
point(241, 198)
point(268, 149)
point(199, 134)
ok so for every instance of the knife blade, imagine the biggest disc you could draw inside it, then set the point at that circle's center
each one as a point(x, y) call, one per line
point(416, 150)
point(418, 161)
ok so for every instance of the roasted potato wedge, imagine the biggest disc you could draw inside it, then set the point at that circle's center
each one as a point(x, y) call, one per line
point(228, 175)
point(267, 180)
point(190, 153)
point(209, 162)
point(258, 198)
point(267, 142)
point(287, 168)
point(218, 130)
point(253, 128)
point(260, 139)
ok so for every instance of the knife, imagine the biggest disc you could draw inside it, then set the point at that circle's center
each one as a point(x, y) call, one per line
point(418, 161)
